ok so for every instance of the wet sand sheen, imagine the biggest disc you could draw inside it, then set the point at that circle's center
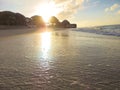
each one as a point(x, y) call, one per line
point(69, 60)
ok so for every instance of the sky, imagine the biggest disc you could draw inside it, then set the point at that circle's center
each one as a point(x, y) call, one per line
point(82, 12)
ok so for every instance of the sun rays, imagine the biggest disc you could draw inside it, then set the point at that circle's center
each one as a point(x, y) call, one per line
point(46, 10)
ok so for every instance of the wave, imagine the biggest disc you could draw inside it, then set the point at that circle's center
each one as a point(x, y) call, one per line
point(113, 30)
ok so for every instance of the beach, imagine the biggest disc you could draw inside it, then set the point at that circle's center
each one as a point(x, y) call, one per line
point(32, 59)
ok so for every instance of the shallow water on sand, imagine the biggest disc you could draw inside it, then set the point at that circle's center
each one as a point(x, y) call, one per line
point(59, 60)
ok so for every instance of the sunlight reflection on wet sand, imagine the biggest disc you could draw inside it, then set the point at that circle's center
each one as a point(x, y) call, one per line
point(45, 43)
point(44, 46)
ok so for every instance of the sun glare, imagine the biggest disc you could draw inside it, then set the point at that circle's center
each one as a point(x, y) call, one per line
point(46, 10)
point(46, 39)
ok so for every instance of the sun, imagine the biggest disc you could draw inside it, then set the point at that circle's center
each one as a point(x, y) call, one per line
point(46, 10)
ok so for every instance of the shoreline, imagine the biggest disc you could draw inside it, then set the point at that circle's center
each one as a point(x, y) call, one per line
point(6, 27)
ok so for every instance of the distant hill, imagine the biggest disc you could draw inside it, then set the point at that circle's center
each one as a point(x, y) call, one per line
point(12, 19)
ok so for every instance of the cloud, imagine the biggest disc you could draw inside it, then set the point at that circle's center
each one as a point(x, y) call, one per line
point(112, 8)
point(107, 9)
point(118, 12)
point(92, 4)
point(68, 7)
point(25, 7)
point(60, 1)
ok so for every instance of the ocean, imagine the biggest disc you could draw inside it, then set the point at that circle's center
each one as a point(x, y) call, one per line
point(113, 30)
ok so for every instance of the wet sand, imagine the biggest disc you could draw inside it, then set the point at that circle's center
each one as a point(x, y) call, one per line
point(68, 60)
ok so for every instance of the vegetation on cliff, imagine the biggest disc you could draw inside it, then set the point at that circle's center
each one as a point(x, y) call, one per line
point(10, 18)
